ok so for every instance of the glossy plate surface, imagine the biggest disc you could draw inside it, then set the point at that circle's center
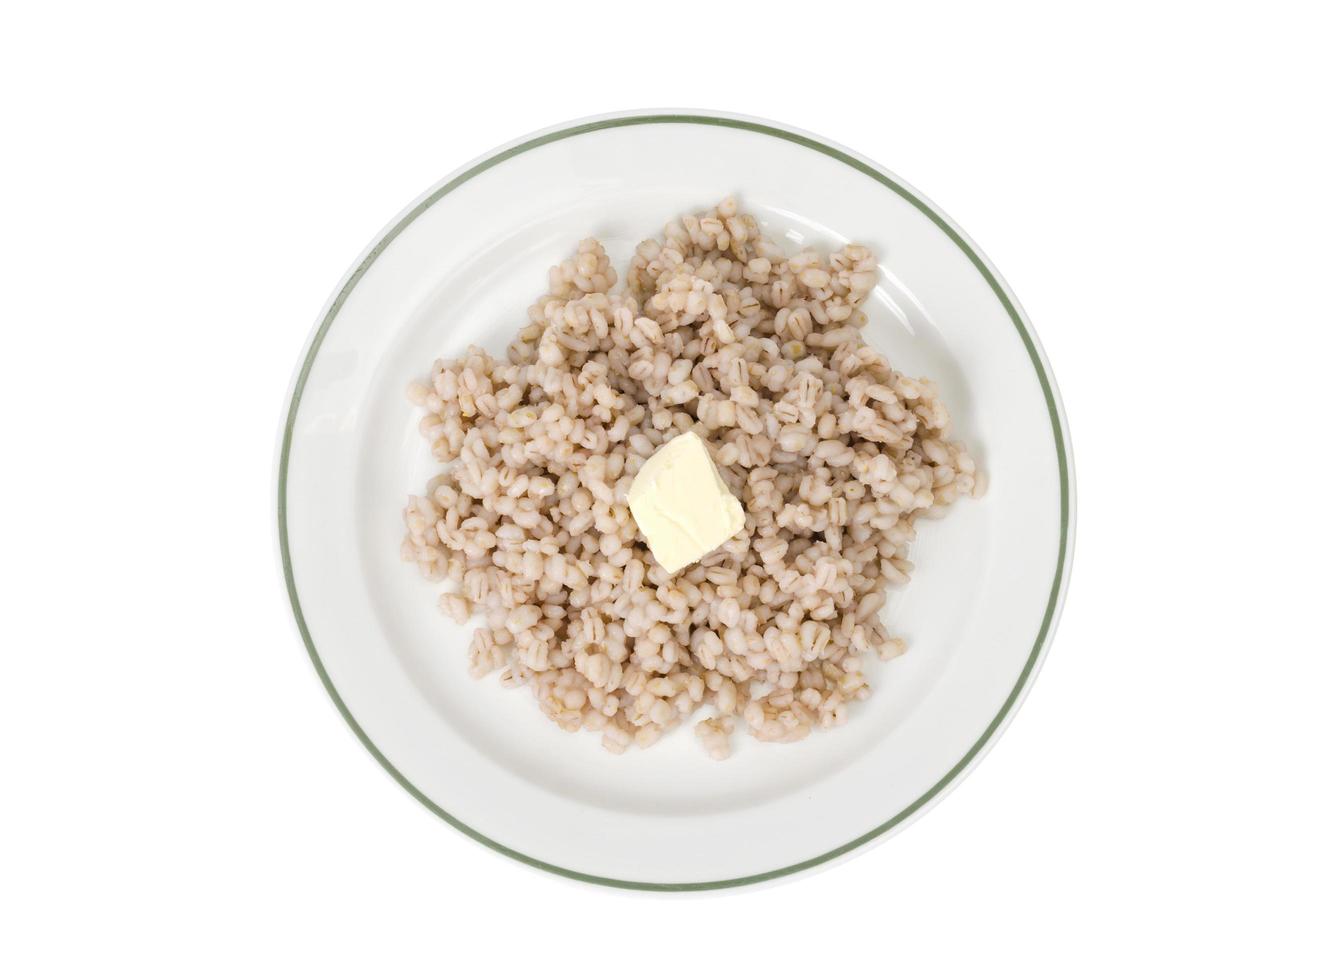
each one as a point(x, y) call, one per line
point(460, 266)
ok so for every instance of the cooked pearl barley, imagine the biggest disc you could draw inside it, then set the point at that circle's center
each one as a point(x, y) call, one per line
point(832, 453)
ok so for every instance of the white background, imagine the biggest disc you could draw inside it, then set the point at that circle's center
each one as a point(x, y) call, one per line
point(183, 186)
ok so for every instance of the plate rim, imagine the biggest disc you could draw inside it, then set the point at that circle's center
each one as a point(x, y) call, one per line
point(1049, 387)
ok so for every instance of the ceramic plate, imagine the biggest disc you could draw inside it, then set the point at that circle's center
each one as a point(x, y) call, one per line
point(459, 267)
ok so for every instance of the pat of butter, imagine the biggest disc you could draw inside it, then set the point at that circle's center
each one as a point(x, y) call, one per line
point(681, 503)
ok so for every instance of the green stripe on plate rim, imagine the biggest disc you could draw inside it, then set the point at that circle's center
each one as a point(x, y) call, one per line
point(702, 120)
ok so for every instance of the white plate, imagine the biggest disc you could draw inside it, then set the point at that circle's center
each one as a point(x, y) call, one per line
point(460, 266)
